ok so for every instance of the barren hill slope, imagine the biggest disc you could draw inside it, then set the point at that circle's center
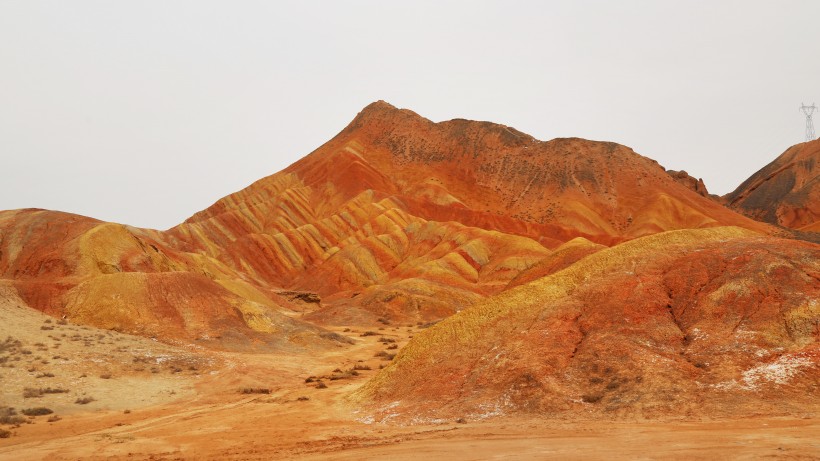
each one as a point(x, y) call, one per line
point(127, 279)
point(347, 218)
point(709, 322)
point(485, 175)
point(396, 218)
point(784, 192)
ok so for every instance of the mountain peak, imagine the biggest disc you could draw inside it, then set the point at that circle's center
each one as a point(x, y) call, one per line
point(381, 111)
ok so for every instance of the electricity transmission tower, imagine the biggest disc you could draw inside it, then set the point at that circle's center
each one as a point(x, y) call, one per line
point(808, 110)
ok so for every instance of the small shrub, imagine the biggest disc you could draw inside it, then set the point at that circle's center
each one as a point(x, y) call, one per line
point(45, 375)
point(4, 434)
point(105, 376)
point(302, 399)
point(385, 355)
point(84, 400)
point(321, 385)
point(53, 419)
point(591, 398)
point(36, 411)
point(255, 390)
point(9, 415)
point(52, 390)
point(369, 333)
point(62, 322)
point(46, 327)
point(31, 393)
point(361, 367)
point(386, 340)
point(392, 347)
point(127, 412)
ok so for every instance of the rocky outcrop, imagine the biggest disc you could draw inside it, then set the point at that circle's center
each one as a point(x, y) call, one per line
point(694, 184)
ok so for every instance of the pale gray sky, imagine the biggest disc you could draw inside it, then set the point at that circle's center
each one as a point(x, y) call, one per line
point(144, 112)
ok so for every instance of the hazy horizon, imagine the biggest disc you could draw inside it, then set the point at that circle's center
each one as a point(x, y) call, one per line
point(147, 112)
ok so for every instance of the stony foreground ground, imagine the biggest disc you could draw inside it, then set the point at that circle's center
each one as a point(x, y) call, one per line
point(201, 405)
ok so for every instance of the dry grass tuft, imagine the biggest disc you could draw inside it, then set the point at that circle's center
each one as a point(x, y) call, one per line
point(31, 392)
point(36, 411)
point(255, 390)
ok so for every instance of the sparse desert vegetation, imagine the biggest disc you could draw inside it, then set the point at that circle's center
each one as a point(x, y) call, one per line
point(36, 411)
point(31, 392)
point(255, 390)
point(81, 373)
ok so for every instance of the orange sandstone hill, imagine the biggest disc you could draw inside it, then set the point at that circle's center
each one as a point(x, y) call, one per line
point(720, 321)
point(127, 279)
point(396, 218)
point(784, 192)
point(404, 218)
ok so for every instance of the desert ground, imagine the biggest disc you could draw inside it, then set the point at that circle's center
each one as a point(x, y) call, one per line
point(154, 401)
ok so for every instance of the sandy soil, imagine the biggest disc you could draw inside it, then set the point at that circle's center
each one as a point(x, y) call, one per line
point(193, 408)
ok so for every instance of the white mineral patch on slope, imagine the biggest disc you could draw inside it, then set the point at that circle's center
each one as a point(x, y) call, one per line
point(778, 372)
